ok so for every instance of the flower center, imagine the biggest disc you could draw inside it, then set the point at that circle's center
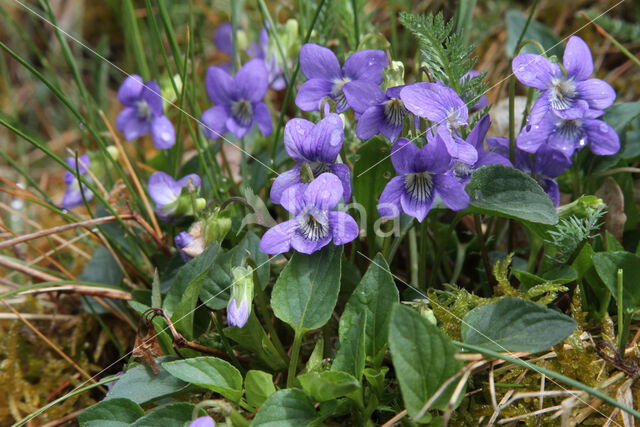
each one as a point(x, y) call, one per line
point(394, 111)
point(143, 110)
point(337, 94)
point(313, 225)
point(419, 186)
point(242, 111)
point(461, 170)
point(562, 93)
point(453, 119)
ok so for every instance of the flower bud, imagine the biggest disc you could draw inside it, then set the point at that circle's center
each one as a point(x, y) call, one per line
point(217, 228)
point(239, 307)
point(393, 74)
point(191, 244)
point(582, 207)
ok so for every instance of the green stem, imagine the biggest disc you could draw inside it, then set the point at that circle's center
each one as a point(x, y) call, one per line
point(413, 257)
point(261, 304)
point(295, 354)
point(551, 374)
point(356, 29)
point(133, 33)
point(622, 319)
point(424, 247)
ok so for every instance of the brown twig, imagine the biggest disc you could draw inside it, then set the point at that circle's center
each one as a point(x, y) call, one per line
point(37, 274)
point(400, 415)
point(84, 290)
point(134, 176)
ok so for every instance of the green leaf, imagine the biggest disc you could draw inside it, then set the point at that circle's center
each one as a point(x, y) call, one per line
point(515, 324)
point(139, 384)
point(423, 359)
point(210, 373)
point(102, 268)
point(607, 265)
point(182, 298)
point(372, 169)
point(253, 338)
point(376, 295)
point(559, 276)
point(536, 31)
point(286, 408)
point(351, 354)
point(328, 385)
point(111, 413)
point(506, 192)
point(258, 387)
point(307, 289)
point(172, 415)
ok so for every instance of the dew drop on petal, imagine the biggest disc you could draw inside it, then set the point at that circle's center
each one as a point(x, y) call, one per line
point(604, 128)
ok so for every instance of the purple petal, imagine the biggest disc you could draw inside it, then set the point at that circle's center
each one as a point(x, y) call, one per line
point(343, 227)
point(576, 111)
point(389, 203)
point(434, 157)
point(598, 93)
point(182, 240)
point(479, 131)
point(343, 172)
point(550, 162)
point(366, 65)
point(370, 122)
point(451, 191)
point(390, 130)
point(534, 70)
point(317, 62)
point(84, 161)
point(577, 59)
point(300, 244)
point(540, 108)
point(131, 125)
point(194, 178)
point(163, 189)
point(324, 192)
point(564, 142)
point(457, 147)
point(251, 82)
point(550, 187)
point(219, 85)
point(436, 102)
point(130, 90)
point(491, 158)
point(237, 129)
point(284, 181)
point(363, 94)
point(162, 133)
point(415, 208)
point(277, 239)
point(72, 197)
point(404, 155)
point(311, 93)
point(237, 315)
point(213, 122)
point(603, 139)
point(223, 38)
point(152, 94)
point(533, 136)
point(327, 136)
point(292, 198)
point(262, 116)
point(297, 140)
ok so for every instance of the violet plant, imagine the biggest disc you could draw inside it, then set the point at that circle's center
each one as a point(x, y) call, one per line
point(326, 226)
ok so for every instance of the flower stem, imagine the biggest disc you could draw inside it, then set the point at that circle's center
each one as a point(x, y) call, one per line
point(413, 257)
point(295, 354)
point(261, 304)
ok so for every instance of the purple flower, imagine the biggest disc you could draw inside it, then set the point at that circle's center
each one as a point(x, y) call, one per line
point(463, 171)
point(327, 79)
point(202, 422)
point(238, 101)
point(237, 315)
point(183, 241)
point(482, 100)
point(547, 164)
point(144, 113)
point(166, 193)
point(277, 79)
point(422, 174)
point(72, 197)
point(442, 106)
point(378, 112)
point(223, 38)
point(315, 221)
point(570, 136)
point(318, 146)
point(239, 307)
point(571, 96)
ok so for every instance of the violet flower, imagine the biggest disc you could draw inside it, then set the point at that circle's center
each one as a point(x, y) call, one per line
point(463, 171)
point(277, 78)
point(546, 165)
point(223, 39)
point(166, 192)
point(317, 145)
point(238, 101)
point(187, 245)
point(442, 106)
point(144, 112)
point(203, 422)
point(571, 96)
point(315, 221)
point(378, 112)
point(239, 307)
point(570, 136)
point(72, 197)
point(326, 79)
point(422, 174)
